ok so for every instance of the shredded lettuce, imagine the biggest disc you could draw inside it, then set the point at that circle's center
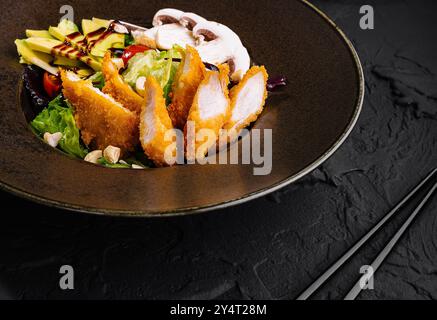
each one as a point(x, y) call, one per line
point(140, 159)
point(168, 86)
point(58, 117)
point(158, 64)
point(102, 161)
point(128, 40)
point(98, 80)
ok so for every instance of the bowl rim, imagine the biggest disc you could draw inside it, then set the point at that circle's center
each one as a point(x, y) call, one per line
point(233, 202)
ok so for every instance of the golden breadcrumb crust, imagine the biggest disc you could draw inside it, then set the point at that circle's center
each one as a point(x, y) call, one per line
point(155, 104)
point(215, 123)
point(117, 88)
point(185, 87)
point(101, 120)
point(235, 91)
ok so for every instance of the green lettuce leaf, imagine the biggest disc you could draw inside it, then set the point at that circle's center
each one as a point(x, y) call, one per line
point(58, 117)
point(98, 80)
point(128, 40)
point(158, 64)
point(168, 86)
point(107, 164)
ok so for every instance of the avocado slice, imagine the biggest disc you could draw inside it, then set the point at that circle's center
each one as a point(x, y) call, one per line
point(38, 34)
point(98, 38)
point(102, 22)
point(69, 32)
point(68, 26)
point(39, 59)
point(96, 43)
point(92, 31)
point(84, 72)
point(23, 61)
point(89, 26)
point(27, 53)
point(57, 33)
point(64, 61)
point(114, 40)
point(75, 38)
point(59, 48)
point(43, 44)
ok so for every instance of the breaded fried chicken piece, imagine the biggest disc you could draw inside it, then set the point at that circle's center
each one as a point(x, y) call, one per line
point(247, 99)
point(190, 74)
point(210, 110)
point(101, 120)
point(155, 123)
point(117, 88)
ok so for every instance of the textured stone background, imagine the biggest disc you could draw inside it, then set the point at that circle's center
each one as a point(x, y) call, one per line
point(271, 248)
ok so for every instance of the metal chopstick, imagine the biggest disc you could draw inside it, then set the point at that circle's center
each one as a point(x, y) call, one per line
point(331, 270)
point(355, 291)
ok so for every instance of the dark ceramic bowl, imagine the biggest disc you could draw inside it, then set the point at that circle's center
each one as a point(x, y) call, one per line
point(310, 118)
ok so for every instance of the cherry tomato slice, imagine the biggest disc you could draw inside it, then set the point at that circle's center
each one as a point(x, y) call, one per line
point(131, 51)
point(52, 84)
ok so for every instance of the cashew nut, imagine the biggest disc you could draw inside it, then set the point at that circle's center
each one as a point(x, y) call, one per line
point(52, 139)
point(112, 154)
point(94, 156)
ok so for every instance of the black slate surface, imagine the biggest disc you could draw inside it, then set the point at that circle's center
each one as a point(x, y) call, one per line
point(271, 248)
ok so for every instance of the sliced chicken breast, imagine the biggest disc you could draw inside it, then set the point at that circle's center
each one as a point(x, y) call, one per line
point(102, 120)
point(247, 99)
point(210, 110)
point(155, 123)
point(117, 88)
point(190, 74)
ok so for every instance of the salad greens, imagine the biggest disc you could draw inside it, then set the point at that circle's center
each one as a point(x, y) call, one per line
point(158, 64)
point(122, 164)
point(102, 161)
point(58, 117)
point(98, 80)
point(168, 86)
point(128, 40)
